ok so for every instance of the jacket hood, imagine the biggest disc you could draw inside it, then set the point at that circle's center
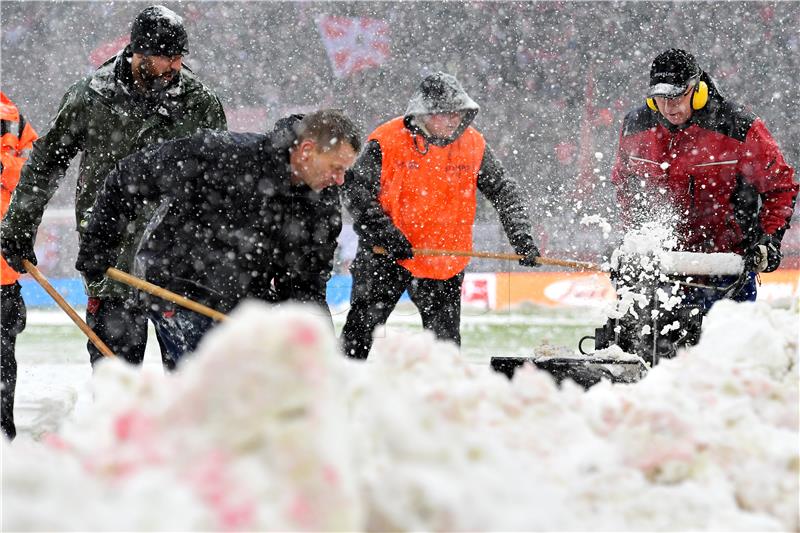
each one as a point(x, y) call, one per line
point(282, 138)
point(440, 93)
point(284, 132)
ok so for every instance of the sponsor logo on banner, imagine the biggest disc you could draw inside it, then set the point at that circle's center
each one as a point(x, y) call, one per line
point(479, 290)
point(780, 287)
point(354, 43)
point(580, 291)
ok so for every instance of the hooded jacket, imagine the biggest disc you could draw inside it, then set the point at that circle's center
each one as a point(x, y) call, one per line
point(16, 137)
point(228, 224)
point(720, 178)
point(402, 190)
point(105, 118)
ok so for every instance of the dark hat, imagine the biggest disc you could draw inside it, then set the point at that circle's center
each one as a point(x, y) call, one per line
point(672, 72)
point(158, 31)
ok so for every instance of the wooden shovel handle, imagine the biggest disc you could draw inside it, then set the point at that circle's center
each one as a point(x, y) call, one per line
point(62, 303)
point(578, 265)
point(155, 290)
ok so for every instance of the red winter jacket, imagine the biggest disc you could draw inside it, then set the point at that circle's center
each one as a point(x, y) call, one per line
point(710, 174)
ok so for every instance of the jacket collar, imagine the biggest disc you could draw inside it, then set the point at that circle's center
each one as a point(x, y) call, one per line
point(114, 79)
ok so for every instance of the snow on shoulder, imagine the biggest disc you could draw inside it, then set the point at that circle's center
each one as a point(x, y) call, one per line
point(269, 427)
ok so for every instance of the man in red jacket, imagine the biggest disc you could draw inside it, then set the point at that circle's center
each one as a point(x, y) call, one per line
point(17, 138)
point(706, 166)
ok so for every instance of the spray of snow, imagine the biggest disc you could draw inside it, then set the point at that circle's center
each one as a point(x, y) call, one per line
point(267, 427)
point(601, 222)
point(650, 237)
point(646, 258)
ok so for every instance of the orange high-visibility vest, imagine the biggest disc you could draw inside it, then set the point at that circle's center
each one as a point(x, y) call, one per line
point(17, 136)
point(430, 197)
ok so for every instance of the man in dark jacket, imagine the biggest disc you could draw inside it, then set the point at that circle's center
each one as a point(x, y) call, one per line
point(414, 186)
point(707, 166)
point(144, 95)
point(237, 215)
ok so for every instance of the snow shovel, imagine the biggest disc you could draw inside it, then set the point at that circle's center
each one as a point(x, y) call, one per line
point(585, 371)
point(578, 265)
point(155, 290)
point(62, 303)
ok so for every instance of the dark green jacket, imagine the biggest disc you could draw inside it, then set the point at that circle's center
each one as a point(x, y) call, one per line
point(105, 118)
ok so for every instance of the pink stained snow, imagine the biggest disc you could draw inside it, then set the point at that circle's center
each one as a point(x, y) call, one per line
point(268, 427)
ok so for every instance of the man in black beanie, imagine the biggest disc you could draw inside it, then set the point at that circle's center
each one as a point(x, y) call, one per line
point(158, 43)
point(141, 96)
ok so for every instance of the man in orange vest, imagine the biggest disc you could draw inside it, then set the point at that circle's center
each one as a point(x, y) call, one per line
point(17, 137)
point(414, 186)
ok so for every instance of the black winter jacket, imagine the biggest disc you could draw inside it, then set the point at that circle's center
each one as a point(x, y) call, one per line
point(228, 223)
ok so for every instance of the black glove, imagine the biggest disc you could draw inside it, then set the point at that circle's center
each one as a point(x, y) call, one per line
point(93, 265)
point(764, 256)
point(15, 250)
point(530, 256)
point(398, 249)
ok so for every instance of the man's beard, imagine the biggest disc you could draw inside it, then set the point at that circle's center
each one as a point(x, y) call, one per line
point(156, 83)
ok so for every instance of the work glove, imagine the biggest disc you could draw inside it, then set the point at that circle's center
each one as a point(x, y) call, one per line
point(764, 256)
point(530, 256)
point(93, 266)
point(16, 250)
point(399, 249)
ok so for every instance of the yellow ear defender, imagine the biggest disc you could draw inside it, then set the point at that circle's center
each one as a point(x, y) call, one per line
point(699, 97)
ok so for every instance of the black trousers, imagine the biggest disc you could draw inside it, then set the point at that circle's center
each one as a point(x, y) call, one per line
point(378, 284)
point(180, 331)
point(122, 325)
point(12, 316)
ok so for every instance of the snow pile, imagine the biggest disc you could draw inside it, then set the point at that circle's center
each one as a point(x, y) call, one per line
point(269, 428)
point(706, 441)
point(702, 264)
point(249, 434)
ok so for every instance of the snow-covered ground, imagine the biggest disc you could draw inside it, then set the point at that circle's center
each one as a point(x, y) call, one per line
point(268, 427)
point(55, 377)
